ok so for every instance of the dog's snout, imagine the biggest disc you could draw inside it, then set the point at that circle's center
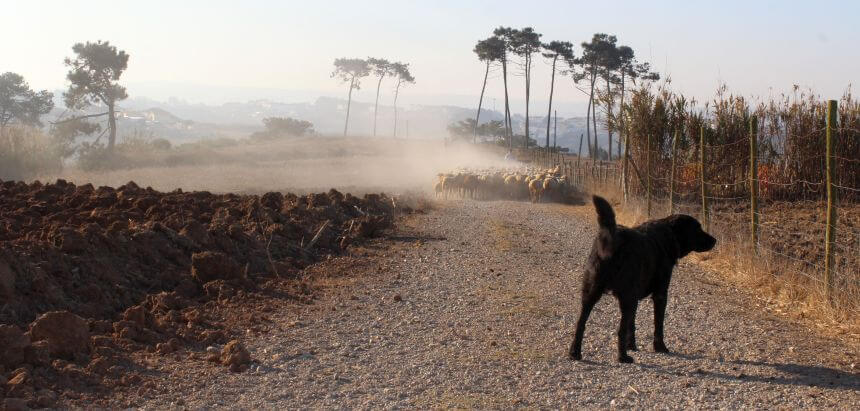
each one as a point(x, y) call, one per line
point(708, 243)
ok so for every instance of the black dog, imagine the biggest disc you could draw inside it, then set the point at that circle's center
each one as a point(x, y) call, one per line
point(632, 264)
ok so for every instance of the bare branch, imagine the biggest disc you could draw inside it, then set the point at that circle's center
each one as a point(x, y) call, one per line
point(79, 118)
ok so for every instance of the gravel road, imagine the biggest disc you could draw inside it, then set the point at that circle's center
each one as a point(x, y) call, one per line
point(473, 306)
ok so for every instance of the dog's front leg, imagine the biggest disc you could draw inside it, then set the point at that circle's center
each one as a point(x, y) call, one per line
point(659, 316)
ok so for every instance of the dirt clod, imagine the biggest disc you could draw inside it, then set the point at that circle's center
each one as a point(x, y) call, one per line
point(20, 385)
point(38, 353)
point(210, 266)
point(15, 404)
point(235, 356)
point(7, 280)
point(46, 398)
point(67, 334)
point(12, 345)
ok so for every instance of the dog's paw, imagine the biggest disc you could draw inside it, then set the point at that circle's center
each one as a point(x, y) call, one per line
point(576, 356)
point(625, 359)
point(660, 347)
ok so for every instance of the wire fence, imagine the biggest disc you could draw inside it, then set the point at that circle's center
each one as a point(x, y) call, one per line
point(780, 207)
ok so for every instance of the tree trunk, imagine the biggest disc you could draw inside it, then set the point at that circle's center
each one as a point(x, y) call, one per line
point(348, 103)
point(578, 156)
point(551, 89)
point(555, 131)
point(508, 125)
point(480, 102)
point(528, 86)
point(376, 106)
point(396, 92)
point(621, 117)
point(588, 125)
point(111, 126)
point(609, 118)
point(624, 135)
point(596, 151)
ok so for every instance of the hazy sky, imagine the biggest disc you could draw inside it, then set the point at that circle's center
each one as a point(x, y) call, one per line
point(214, 51)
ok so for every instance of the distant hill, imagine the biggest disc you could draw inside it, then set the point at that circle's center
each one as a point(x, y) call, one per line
point(156, 120)
point(179, 121)
point(327, 114)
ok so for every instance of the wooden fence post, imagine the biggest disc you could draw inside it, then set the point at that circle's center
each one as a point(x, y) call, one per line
point(754, 184)
point(705, 219)
point(648, 170)
point(672, 173)
point(624, 169)
point(830, 233)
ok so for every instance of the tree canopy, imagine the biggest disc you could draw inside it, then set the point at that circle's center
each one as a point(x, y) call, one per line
point(630, 67)
point(94, 74)
point(506, 36)
point(464, 129)
point(351, 71)
point(524, 42)
point(20, 104)
point(597, 53)
point(558, 49)
point(379, 67)
point(401, 71)
point(490, 49)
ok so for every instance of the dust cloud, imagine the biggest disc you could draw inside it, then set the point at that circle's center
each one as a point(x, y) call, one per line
point(301, 165)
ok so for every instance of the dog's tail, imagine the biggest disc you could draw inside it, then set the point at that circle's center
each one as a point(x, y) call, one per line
point(605, 215)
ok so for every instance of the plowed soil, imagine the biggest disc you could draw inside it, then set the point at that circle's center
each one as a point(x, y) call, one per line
point(151, 271)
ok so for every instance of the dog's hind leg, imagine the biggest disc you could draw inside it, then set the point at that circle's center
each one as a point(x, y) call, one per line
point(631, 336)
point(659, 316)
point(628, 316)
point(590, 297)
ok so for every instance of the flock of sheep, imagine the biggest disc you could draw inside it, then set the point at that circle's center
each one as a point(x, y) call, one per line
point(491, 184)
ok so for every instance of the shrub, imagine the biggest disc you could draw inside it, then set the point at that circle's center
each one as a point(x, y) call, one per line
point(26, 152)
point(277, 127)
point(161, 144)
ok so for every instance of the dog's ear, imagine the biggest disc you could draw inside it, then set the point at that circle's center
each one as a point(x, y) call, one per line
point(689, 235)
point(684, 228)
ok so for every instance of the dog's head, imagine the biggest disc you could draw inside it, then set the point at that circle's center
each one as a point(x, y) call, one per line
point(690, 236)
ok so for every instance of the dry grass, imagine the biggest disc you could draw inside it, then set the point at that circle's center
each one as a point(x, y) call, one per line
point(784, 291)
point(26, 151)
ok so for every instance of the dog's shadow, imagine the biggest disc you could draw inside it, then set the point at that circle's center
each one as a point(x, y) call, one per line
point(798, 375)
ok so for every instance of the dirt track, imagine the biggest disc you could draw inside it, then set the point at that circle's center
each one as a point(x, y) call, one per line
point(473, 305)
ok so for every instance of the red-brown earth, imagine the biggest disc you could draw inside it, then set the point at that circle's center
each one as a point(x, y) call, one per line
point(91, 276)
